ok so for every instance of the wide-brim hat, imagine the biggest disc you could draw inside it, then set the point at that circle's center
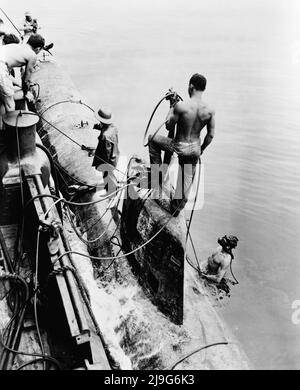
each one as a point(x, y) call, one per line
point(27, 13)
point(104, 116)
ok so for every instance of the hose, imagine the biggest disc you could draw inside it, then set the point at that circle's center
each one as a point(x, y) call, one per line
point(152, 115)
point(82, 147)
point(196, 351)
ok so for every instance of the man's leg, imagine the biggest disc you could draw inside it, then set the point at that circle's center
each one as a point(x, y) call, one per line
point(156, 145)
point(111, 187)
point(112, 182)
point(109, 179)
point(185, 179)
point(159, 171)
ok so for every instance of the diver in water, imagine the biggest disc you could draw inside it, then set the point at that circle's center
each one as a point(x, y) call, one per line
point(220, 260)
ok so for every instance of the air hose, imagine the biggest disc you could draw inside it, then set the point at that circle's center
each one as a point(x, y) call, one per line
point(169, 94)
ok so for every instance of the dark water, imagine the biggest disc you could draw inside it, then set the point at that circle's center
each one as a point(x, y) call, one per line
point(126, 54)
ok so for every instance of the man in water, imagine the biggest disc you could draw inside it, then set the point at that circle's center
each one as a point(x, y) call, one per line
point(190, 117)
point(219, 262)
point(15, 55)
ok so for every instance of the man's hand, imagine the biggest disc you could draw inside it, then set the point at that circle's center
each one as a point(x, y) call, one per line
point(172, 97)
point(29, 96)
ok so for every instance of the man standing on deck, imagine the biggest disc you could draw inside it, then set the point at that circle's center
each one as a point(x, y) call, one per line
point(27, 27)
point(190, 117)
point(107, 152)
point(16, 55)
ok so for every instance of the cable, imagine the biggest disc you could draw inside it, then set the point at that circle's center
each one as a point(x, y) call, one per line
point(190, 263)
point(8, 264)
point(19, 159)
point(53, 169)
point(13, 335)
point(67, 101)
point(74, 203)
point(194, 249)
point(80, 235)
point(235, 279)
point(59, 167)
point(52, 206)
point(82, 147)
point(125, 254)
point(22, 352)
point(35, 296)
point(198, 350)
point(50, 359)
point(105, 269)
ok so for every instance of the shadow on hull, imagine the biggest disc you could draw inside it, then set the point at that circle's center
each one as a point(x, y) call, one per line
point(159, 261)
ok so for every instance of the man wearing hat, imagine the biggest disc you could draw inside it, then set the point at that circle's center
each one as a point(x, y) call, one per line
point(107, 151)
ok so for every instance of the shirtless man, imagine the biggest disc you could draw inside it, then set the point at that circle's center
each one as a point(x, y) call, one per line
point(190, 117)
point(16, 55)
point(219, 262)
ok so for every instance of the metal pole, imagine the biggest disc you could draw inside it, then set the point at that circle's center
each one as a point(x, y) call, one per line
point(11, 22)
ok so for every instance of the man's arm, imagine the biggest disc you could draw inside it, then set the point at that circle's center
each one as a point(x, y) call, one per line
point(219, 275)
point(26, 28)
point(172, 117)
point(15, 82)
point(28, 71)
point(210, 132)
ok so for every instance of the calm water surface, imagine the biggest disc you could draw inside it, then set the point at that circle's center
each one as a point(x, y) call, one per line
point(126, 54)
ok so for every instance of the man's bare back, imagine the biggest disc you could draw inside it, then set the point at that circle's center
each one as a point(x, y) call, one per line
point(17, 55)
point(193, 116)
